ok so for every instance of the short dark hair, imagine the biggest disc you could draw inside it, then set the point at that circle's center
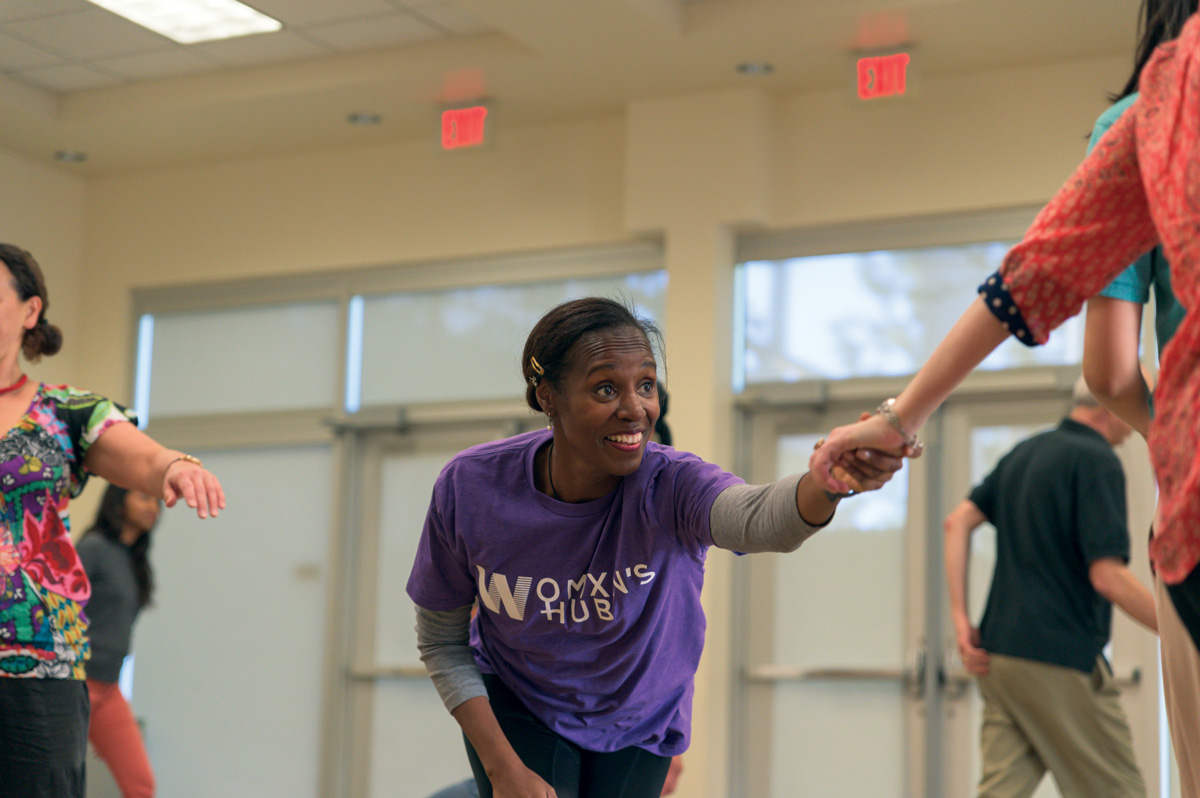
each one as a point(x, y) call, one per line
point(27, 280)
point(552, 340)
point(1158, 21)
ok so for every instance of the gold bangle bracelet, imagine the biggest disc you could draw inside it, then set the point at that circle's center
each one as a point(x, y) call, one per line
point(187, 458)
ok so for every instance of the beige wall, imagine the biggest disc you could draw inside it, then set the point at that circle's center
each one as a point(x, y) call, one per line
point(42, 210)
point(694, 170)
point(975, 141)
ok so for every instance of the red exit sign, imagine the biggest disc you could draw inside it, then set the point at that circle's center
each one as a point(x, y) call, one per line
point(463, 127)
point(883, 76)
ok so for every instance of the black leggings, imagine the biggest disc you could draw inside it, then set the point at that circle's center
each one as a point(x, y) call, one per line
point(570, 770)
point(43, 737)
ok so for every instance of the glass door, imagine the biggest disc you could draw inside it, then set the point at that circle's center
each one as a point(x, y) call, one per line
point(401, 741)
point(847, 645)
point(830, 656)
point(240, 623)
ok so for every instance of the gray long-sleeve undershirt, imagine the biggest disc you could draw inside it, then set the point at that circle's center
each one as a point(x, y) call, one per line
point(744, 518)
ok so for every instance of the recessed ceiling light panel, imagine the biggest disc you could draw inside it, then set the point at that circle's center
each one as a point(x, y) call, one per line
point(191, 21)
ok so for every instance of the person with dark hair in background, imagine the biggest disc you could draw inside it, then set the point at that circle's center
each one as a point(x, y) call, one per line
point(584, 545)
point(115, 555)
point(57, 436)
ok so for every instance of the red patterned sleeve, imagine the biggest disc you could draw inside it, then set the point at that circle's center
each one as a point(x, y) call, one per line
point(1096, 225)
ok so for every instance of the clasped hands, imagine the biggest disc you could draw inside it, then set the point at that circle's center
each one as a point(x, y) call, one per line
point(859, 457)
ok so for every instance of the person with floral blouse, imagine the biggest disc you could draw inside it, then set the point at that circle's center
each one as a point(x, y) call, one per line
point(56, 437)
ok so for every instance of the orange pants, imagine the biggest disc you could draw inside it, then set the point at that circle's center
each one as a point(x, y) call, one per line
point(114, 734)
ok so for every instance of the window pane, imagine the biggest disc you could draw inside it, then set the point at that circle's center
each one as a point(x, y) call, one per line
point(820, 732)
point(280, 357)
point(230, 656)
point(848, 579)
point(873, 313)
point(466, 343)
point(854, 570)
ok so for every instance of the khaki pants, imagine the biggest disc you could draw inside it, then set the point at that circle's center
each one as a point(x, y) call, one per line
point(1181, 683)
point(1039, 717)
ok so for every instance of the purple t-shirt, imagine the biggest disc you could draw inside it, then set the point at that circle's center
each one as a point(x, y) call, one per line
point(590, 613)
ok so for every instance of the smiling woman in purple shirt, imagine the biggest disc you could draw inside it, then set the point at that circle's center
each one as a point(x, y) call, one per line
point(584, 546)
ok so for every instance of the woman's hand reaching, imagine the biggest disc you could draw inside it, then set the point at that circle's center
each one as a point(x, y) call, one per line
point(859, 457)
point(195, 485)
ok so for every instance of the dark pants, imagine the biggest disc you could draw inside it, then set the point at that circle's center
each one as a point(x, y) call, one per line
point(1186, 598)
point(570, 770)
point(43, 737)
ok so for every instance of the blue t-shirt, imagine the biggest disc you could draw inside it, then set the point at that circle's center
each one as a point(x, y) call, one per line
point(1150, 270)
point(590, 613)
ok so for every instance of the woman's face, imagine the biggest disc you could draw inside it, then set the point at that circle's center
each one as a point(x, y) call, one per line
point(16, 315)
point(141, 510)
point(606, 410)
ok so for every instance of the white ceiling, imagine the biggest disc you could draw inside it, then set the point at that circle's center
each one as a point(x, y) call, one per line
point(72, 45)
point(75, 76)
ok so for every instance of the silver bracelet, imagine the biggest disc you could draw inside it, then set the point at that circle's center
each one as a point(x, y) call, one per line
point(888, 411)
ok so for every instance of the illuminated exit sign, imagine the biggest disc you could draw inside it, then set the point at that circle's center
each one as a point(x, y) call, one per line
point(882, 76)
point(464, 127)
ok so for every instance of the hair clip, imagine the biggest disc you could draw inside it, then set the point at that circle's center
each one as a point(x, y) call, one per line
point(537, 367)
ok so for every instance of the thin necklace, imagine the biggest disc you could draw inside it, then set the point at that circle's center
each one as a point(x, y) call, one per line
point(550, 471)
point(16, 386)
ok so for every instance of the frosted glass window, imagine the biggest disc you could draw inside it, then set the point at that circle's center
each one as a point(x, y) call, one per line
point(821, 730)
point(466, 343)
point(230, 657)
point(873, 314)
point(848, 579)
point(406, 486)
point(416, 746)
point(853, 571)
point(278, 357)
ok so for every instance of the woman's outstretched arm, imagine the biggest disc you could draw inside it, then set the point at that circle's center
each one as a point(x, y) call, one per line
point(1097, 223)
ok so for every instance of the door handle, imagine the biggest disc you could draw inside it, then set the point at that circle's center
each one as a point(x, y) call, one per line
point(915, 675)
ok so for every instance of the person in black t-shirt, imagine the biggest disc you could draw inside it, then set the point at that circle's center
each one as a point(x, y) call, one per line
point(1057, 501)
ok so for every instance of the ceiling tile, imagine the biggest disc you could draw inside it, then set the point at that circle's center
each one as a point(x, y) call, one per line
point(16, 54)
point(299, 13)
point(69, 77)
point(393, 29)
point(448, 16)
point(262, 48)
point(92, 33)
point(153, 66)
point(28, 9)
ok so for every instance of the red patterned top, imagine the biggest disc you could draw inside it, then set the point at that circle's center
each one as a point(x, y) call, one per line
point(1139, 187)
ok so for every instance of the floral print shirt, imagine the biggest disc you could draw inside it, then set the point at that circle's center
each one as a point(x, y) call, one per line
point(1139, 187)
point(43, 586)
